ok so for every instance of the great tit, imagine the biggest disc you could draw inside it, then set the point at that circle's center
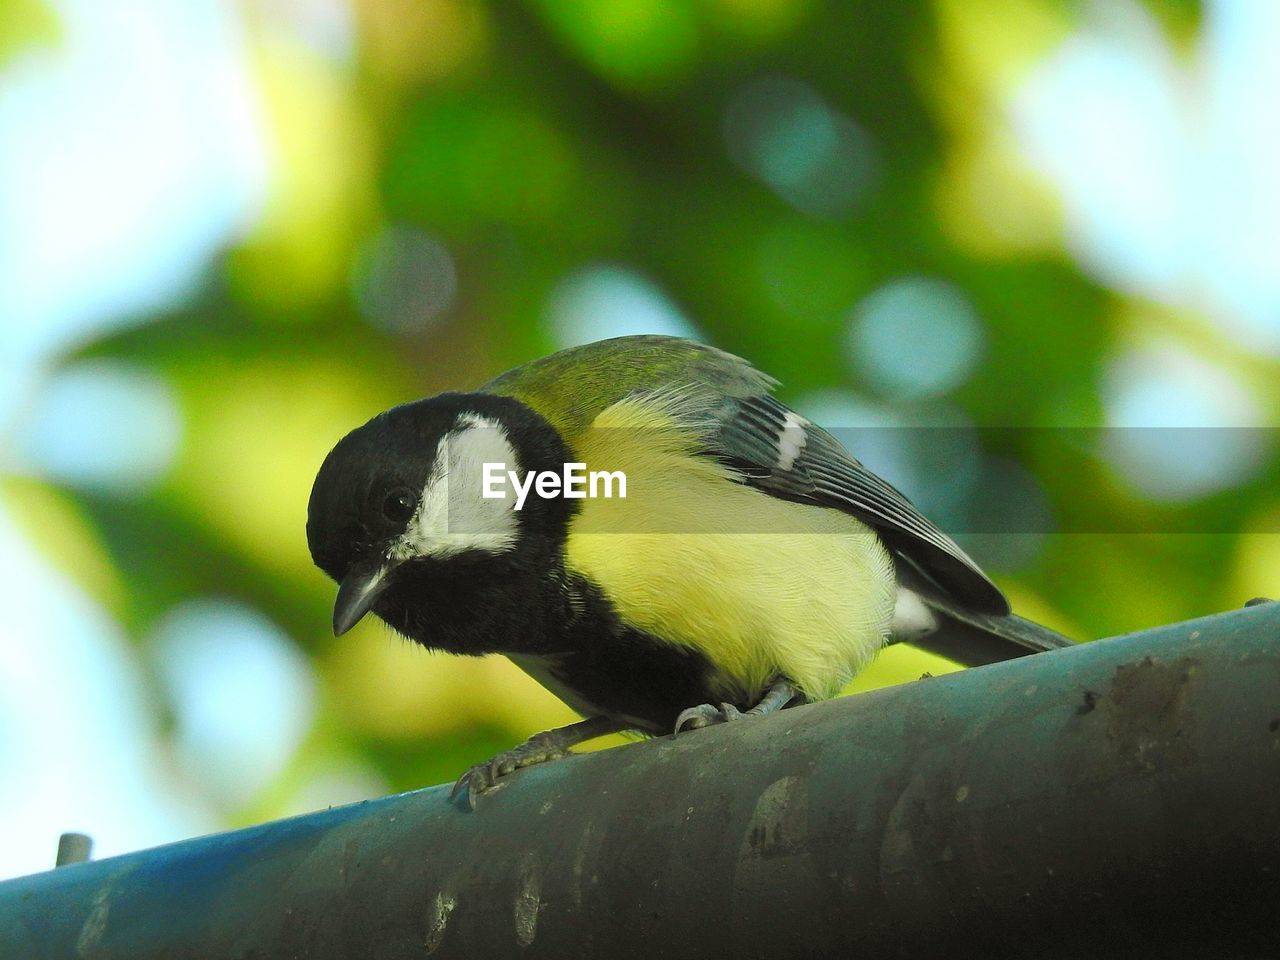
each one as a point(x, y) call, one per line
point(752, 563)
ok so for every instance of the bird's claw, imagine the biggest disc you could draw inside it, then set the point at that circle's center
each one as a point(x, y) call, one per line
point(479, 779)
point(780, 693)
point(484, 777)
point(705, 715)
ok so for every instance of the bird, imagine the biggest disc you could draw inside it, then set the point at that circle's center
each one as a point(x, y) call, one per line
point(733, 559)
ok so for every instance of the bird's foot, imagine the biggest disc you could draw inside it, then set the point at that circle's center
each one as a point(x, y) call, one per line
point(541, 747)
point(483, 777)
point(780, 693)
point(704, 715)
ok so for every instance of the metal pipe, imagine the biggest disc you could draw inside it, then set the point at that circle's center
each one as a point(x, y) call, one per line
point(1117, 799)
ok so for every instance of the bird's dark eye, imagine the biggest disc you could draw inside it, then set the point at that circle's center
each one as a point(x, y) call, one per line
point(399, 504)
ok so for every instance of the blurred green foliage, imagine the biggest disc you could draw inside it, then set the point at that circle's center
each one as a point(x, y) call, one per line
point(25, 24)
point(531, 139)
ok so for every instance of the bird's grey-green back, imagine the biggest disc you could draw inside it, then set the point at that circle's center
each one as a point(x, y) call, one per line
point(572, 387)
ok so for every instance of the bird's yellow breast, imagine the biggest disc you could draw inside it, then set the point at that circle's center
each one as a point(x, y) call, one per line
point(763, 587)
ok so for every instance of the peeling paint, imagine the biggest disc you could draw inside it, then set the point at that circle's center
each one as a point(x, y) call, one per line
point(774, 860)
point(588, 849)
point(438, 919)
point(779, 824)
point(1149, 725)
point(95, 925)
point(528, 902)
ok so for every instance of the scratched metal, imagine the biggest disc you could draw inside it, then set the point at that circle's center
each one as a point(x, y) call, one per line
point(1117, 799)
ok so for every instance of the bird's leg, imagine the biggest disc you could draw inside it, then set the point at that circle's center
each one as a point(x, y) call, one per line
point(778, 696)
point(541, 747)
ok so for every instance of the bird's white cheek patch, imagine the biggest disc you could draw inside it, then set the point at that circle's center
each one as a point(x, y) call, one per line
point(453, 514)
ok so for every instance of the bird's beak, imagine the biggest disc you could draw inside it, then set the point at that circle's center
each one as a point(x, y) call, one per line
point(361, 586)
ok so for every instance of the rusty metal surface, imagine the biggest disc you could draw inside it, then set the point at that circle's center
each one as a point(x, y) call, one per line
point(1117, 799)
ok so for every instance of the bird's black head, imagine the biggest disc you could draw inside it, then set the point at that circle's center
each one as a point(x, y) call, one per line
point(399, 518)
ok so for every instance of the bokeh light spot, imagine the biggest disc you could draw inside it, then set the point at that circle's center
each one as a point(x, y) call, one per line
point(603, 301)
point(104, 426)
point(80, 749)
point(1179, 421)
point(816, 159)
point(1008, 516)
point(404, 279)
point(242, 694)
point(915, 337)
point(1163, 159)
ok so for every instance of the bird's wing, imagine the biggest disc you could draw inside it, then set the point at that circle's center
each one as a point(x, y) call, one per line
point(776, 450)
point(729, 405)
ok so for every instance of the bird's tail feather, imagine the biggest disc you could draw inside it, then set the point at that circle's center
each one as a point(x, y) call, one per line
point(977, 638)
point(929, 618)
